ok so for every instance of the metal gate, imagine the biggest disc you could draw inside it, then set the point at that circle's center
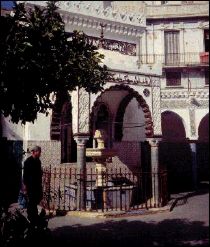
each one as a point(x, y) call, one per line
point(121, 190)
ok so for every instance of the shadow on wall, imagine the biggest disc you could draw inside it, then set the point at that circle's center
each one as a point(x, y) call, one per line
point(177, 158)
point(203, 149)
point(128, 153)
point(10, 175)
point(175, 153)
point(203, 161)
point(175, 232)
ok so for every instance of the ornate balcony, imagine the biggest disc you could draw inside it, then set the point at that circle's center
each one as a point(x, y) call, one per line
point(122, 47)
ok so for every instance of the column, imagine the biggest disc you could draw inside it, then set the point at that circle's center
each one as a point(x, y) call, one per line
point(154, 143)
point(194, 165)
point(80, 100)
point(81, 170)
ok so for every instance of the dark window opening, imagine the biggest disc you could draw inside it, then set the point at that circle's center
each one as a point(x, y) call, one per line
point(173, 78)
point(206, 40)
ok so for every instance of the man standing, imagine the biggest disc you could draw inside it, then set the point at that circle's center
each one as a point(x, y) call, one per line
point(32, 179)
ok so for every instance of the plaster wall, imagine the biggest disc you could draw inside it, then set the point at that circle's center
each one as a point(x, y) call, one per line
point(40, 130)
point(199, 115)
point(133, 117)
point(196, 77)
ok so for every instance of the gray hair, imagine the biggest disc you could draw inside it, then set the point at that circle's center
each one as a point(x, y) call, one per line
point(36, 148)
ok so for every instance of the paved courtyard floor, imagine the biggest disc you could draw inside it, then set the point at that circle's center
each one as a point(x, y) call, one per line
point(186, 225)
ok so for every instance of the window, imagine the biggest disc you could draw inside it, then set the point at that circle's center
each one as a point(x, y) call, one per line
point(164, 2)
point(206, 40)
point(172, 53)
point(206, 77)
point(173, 78)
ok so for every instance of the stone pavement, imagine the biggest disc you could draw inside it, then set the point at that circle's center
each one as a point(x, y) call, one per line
point(186, 225)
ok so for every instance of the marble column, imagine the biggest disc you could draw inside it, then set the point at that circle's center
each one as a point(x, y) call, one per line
point(194, 164)
point(81, 170)
point(154, 143)
point(80, 100)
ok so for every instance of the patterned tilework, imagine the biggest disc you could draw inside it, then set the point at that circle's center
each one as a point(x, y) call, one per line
point(51, 151)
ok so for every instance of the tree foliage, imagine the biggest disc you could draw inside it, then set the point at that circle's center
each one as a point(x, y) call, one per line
point(38, 59)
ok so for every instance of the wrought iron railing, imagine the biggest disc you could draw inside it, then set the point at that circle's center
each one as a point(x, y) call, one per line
point(176, 59)
point(122, 47)
point(122, 189)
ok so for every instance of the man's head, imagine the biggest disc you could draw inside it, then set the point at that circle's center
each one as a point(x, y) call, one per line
point(36, 151)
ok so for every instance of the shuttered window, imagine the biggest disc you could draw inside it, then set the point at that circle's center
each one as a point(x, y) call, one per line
point(172, 51)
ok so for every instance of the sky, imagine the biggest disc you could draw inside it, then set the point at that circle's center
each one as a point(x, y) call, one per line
point(6, 4)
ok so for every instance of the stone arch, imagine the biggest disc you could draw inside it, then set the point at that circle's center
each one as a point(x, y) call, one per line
point(61, 126)
point(175, 152)
point(203, 129)
point(203, 149)
point(131, 94)
point(55, 128)
point(173, 126)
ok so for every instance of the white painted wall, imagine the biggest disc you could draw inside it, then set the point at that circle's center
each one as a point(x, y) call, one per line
point(199, 115)
point(196, 77)
point(40, 130)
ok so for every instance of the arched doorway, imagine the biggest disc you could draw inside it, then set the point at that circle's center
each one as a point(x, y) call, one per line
point(203, 129)
point(203, 149)
point(175, 152)
point(61, 127)
point(66, 133)
point(173, 129)
point(125, 105)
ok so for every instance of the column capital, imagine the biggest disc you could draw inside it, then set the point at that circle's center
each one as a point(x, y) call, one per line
point(154, 141)
point(192, 140)
point(81, 139)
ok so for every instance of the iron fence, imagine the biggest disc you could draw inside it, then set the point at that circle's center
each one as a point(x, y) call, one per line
point(119, 189)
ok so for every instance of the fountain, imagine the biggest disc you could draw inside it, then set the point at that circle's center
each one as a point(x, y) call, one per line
point(100, 156)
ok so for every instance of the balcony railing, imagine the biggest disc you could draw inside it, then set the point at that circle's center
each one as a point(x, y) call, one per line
point(122, 47)
point(176, 59)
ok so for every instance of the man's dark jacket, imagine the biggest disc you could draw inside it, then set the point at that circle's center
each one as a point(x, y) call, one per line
point(32, 178)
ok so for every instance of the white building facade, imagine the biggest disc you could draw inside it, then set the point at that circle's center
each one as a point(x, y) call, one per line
point(157, 53)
